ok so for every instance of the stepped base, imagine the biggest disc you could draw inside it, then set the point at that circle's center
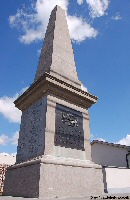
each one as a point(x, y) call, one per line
point(51, 177)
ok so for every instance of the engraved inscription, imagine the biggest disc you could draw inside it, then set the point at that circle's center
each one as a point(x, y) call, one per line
point(70, 119)
point(69, 128)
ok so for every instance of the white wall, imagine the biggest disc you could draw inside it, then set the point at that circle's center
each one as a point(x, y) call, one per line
point(117, 180)
point(109, 155)
point(7, 159)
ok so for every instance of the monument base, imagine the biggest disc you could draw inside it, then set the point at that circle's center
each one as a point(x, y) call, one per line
point(51, 177)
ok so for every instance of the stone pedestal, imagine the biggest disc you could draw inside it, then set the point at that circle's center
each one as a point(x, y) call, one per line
point(50, 177)
point(55, 170)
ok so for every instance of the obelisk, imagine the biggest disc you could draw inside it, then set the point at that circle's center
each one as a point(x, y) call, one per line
point(54, 153)
point(57, 57)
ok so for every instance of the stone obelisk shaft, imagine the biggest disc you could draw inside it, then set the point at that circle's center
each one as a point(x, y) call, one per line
point(57, 57)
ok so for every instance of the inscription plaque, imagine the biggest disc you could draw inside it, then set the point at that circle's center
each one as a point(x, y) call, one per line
point(69, 128)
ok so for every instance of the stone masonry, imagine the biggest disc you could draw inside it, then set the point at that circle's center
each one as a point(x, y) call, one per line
point(57, 57)
point(31, 140)
point(54, 152)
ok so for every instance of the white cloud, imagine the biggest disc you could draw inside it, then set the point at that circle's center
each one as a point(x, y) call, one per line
point(4, 154)
point(5, 139)
point(8, 109)
point(125, 141)
point(14, 139)
point(39, 52)
point(34, 22)
point(80, 29)
point(84, 88)
point(117, 17)
point(97, 7)
point(31, 35)
point(22, 90)
point(80, 2)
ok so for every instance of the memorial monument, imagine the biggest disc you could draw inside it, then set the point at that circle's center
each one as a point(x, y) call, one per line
point(54, 153)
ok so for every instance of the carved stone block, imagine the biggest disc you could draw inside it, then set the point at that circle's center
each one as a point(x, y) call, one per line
point(69, 128)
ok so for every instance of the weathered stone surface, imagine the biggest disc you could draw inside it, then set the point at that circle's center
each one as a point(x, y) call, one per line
point(22, 181)
point(58, 151)
point(43, 168)
point(57, 57)
point(49, 84)
point(37, 132)
point(58, 181)
point(67, 173)
point(31, 142)
point(69, 128)
point(51, 177)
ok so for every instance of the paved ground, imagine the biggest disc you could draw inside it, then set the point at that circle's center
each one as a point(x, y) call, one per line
point(106, 196)
point(16, 198)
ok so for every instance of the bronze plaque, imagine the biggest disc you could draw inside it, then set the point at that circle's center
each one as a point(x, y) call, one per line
point(69, 128)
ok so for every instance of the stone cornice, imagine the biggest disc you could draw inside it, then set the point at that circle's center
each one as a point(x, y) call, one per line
point(48, 84)
point(49, 159)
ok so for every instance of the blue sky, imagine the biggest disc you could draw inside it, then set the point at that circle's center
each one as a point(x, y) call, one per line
point(100, 30)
